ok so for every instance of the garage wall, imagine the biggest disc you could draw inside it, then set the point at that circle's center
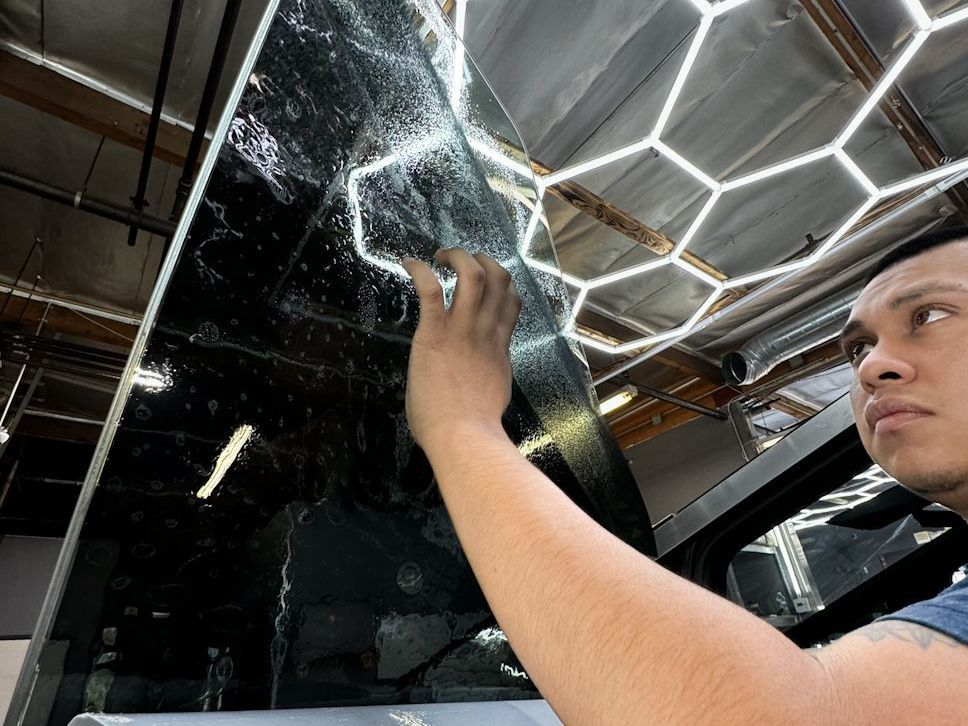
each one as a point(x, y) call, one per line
point(675, 468)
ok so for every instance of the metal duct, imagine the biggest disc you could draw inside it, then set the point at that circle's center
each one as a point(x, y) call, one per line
point(813, 326)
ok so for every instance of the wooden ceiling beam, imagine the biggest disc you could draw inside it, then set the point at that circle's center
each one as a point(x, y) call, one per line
point(597, 325)
point(642, 412)
point(794, 408)
point(48, 428)
point(24, 315)
point(48, 91)
point(656, 420)
point(621, 221)
point(596, 207)
point(637, 425)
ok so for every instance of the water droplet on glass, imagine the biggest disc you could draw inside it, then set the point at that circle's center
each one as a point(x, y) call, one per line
point(410, 578)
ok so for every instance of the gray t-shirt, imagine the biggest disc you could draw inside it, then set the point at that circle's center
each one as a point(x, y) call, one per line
point(947, 612)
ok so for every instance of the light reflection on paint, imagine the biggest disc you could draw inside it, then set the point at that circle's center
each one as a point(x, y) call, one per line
point(225, 460)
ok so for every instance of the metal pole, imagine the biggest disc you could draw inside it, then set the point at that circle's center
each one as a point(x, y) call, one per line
point(63, 417)
point(20, 375)
point(681, 402)
point(222, 44)
point(79, 200)
point(15, 421)
point(164, 68)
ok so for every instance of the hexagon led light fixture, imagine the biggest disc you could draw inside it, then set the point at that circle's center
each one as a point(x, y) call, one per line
point(708, 13)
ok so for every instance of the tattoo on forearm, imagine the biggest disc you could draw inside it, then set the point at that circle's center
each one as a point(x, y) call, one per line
point(906, 632)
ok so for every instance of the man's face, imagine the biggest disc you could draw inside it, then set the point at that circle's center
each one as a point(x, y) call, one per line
point(907, 339)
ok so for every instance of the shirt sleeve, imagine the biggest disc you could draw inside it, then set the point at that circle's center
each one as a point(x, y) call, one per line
point(947, 613)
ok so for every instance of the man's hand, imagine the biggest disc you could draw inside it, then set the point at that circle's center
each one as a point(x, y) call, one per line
point(460, 372)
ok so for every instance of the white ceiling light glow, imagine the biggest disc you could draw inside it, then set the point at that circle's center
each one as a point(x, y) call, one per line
point(856, 172)
point(687, 166)
point(591, 164)
point(780, 168)
point(696, 224)
point(552, 270)
point(697, 273)
point(532, 227)
point(708, 303)
point(633, 271)
point(886, 81)
point(650, 340)
point(943, 175)
point(702, 6)
point(844, 228)
point(516, 166)
point(926, 178)
point(918, 13)
point(579, 301)
point(704, 24)
point(764, 274)
point(724, 6)
point(950, 19)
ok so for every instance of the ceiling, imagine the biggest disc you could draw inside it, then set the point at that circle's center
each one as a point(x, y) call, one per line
point(683, 99)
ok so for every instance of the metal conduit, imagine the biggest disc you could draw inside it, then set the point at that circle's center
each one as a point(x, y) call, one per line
point(813, 326)
point(219, 54)
point(164, 68)
point(93, 205)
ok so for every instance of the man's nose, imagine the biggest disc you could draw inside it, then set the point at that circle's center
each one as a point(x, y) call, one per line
point(885, 365)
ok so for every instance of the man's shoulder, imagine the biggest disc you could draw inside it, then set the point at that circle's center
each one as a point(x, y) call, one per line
point(906, 667)
point(946, 613)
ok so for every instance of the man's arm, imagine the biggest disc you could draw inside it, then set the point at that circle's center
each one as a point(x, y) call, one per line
point(608, 636)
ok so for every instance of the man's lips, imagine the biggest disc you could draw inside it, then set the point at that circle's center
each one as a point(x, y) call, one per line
point(890, 414)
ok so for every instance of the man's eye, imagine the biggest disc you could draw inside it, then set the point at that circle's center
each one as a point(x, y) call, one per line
point(856, 351)
point(928, 315)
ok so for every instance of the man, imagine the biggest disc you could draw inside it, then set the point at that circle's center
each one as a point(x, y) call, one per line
point(610, 637)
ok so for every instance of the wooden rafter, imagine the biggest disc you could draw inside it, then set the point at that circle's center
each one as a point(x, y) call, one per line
point(607, 330)
point(596, 207)
point(24, 315)
point(48, 91)
point(650, 418)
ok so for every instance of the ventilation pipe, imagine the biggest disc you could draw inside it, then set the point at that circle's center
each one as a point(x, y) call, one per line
point(764, 352)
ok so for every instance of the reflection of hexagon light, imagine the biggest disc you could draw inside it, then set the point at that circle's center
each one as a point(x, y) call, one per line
point(710, 11)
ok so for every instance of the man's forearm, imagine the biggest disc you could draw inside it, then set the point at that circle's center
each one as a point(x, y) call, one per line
point(607, 635)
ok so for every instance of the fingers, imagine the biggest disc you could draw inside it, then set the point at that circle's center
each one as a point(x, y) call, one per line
point(496, 287)
point(471, 281)
point(508, 317)
point(428, 289)
point(485, 298)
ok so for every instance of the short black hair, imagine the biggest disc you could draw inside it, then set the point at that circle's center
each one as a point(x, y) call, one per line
point(914, 247)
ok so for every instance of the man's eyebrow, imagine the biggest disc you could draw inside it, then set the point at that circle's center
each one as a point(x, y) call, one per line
point(926, 290)
point(851, 327)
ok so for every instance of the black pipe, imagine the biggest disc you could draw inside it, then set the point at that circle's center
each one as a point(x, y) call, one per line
point(93, 205)
point(167, 53)
point(681, 402)
point(59, 347)
point(219, 54)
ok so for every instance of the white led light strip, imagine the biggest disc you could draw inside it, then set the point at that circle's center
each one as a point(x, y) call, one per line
point(710, 11)
point(950, 19)
point(697, 40)
point(918, 13)
point(885, 82)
